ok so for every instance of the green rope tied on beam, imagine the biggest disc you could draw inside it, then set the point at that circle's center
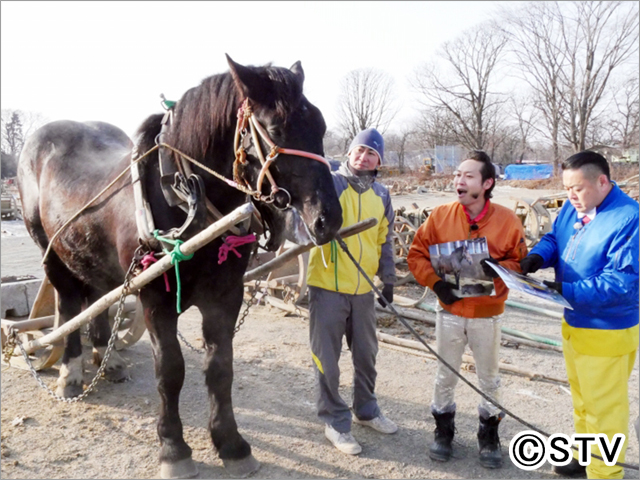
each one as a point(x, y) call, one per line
point(176, 257)
point(334, 259)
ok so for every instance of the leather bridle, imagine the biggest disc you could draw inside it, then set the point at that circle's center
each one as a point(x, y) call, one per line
point(247, 118)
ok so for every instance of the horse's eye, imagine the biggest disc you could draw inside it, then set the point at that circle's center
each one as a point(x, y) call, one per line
point(275, 132)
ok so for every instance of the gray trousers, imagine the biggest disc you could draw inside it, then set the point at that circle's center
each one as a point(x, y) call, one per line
point(483, 336)
point(332, 316)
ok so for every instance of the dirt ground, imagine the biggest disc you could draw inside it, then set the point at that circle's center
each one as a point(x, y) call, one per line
point(112, 433)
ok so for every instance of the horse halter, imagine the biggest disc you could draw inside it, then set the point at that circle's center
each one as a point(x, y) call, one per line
point(246, 117)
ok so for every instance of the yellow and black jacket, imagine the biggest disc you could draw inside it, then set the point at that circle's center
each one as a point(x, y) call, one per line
point(361, 197)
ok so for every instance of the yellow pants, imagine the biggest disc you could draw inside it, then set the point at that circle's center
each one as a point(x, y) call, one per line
point(600, 395)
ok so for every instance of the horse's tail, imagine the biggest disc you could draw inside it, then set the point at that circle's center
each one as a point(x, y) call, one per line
point(35, 153)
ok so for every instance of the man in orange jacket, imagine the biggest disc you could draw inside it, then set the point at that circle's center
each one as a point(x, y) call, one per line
point(472, 320)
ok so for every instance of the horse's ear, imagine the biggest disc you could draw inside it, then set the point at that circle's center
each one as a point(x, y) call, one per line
point(297, 69)
point(248, 82)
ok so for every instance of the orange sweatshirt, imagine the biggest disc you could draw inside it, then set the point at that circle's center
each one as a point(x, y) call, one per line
point(448, 223)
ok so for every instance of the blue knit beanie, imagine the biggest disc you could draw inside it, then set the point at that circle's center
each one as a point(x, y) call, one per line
point(369, 138)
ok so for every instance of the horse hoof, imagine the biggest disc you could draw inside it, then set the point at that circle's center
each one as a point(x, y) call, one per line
point(69, 391)
point(116, 375)
point(241, 468)
point(185, 468)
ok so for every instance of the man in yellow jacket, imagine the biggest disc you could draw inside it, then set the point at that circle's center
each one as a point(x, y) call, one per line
point(341, 302)
point(472, 320)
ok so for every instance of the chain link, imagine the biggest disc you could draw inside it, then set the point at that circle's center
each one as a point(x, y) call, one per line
point(186, 342)
point(107, 353)
point(250, 302)
point(242, 319)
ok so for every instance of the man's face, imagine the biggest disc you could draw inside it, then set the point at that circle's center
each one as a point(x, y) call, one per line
point(363, 158)
point(468, 184)
point(585, 192)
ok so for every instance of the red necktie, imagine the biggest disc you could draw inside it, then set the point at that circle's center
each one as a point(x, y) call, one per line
point(585, 220)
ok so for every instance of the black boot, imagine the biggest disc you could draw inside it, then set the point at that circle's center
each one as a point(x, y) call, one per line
point(573, 469)
point(441, 449)
point(489, 442)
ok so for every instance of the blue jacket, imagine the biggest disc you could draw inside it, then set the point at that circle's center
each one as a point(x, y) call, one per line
point(597, 264)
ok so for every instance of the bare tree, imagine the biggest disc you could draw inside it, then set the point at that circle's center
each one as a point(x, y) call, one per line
point(625, 123)
point(366, 100)
point(464, 90)
point(433, 128)
point(17, 125)
point(525, 114)
point(399, 143)
point(535, 34)
point(12, 134)
point(598, 37)
point(335, 144)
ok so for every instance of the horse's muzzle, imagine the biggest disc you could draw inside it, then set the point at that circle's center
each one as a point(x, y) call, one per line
point(325, 226)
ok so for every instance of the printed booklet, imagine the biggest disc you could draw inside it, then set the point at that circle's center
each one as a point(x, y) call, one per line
point(522, 283)
point(459, 264)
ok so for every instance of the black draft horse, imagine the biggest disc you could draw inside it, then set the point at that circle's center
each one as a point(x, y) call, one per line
point(65, 163)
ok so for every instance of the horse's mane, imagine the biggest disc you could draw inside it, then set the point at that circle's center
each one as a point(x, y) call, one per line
point(207, 113)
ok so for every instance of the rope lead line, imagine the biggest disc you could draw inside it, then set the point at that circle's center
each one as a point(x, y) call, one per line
point(176, 257)
point(440, 359)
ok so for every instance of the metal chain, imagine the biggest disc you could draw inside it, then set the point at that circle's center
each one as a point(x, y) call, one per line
point(242, 319)
point(107, 353)
point(250, 302)
point(289, 297)
point(186, 342)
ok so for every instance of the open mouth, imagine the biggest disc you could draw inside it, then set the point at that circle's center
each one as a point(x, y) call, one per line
point(461, 192)
point(296, 230)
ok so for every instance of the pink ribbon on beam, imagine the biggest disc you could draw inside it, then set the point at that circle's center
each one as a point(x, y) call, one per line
point(150, 258)
point(230, 244)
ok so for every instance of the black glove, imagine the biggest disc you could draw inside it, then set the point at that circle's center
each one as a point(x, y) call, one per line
point(531, 263)
point(387, 293)
point(488, 271)
point(444, 293)
point(557, 286)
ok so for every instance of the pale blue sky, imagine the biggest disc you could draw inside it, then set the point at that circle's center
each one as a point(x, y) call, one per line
point(110, 61)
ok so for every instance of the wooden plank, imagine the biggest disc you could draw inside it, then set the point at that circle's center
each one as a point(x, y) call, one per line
point(190, 246)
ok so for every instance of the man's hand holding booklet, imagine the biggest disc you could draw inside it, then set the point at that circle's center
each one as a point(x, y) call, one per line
point(522, 283)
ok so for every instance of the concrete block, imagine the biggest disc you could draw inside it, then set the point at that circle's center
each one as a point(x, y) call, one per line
point(18, 297)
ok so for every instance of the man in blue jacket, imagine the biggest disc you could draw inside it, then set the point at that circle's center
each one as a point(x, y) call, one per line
point(593, 248)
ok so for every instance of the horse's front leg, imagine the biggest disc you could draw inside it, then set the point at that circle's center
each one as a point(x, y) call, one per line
point(219, 317)
point(161, 320)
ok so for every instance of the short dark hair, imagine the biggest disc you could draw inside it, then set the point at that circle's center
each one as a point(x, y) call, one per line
point(592, 160)
point(487, 170)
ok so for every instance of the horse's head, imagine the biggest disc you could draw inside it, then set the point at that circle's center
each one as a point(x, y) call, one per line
point(466, 255)
point(278, 126)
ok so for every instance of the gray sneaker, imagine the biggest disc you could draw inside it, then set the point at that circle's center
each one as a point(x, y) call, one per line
point(381, 423)
point(342, 441)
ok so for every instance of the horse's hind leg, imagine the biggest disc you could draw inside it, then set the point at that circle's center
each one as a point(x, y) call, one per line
point(99, 334)
point(69, 305)
point(219, 318)
point(161, 320)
